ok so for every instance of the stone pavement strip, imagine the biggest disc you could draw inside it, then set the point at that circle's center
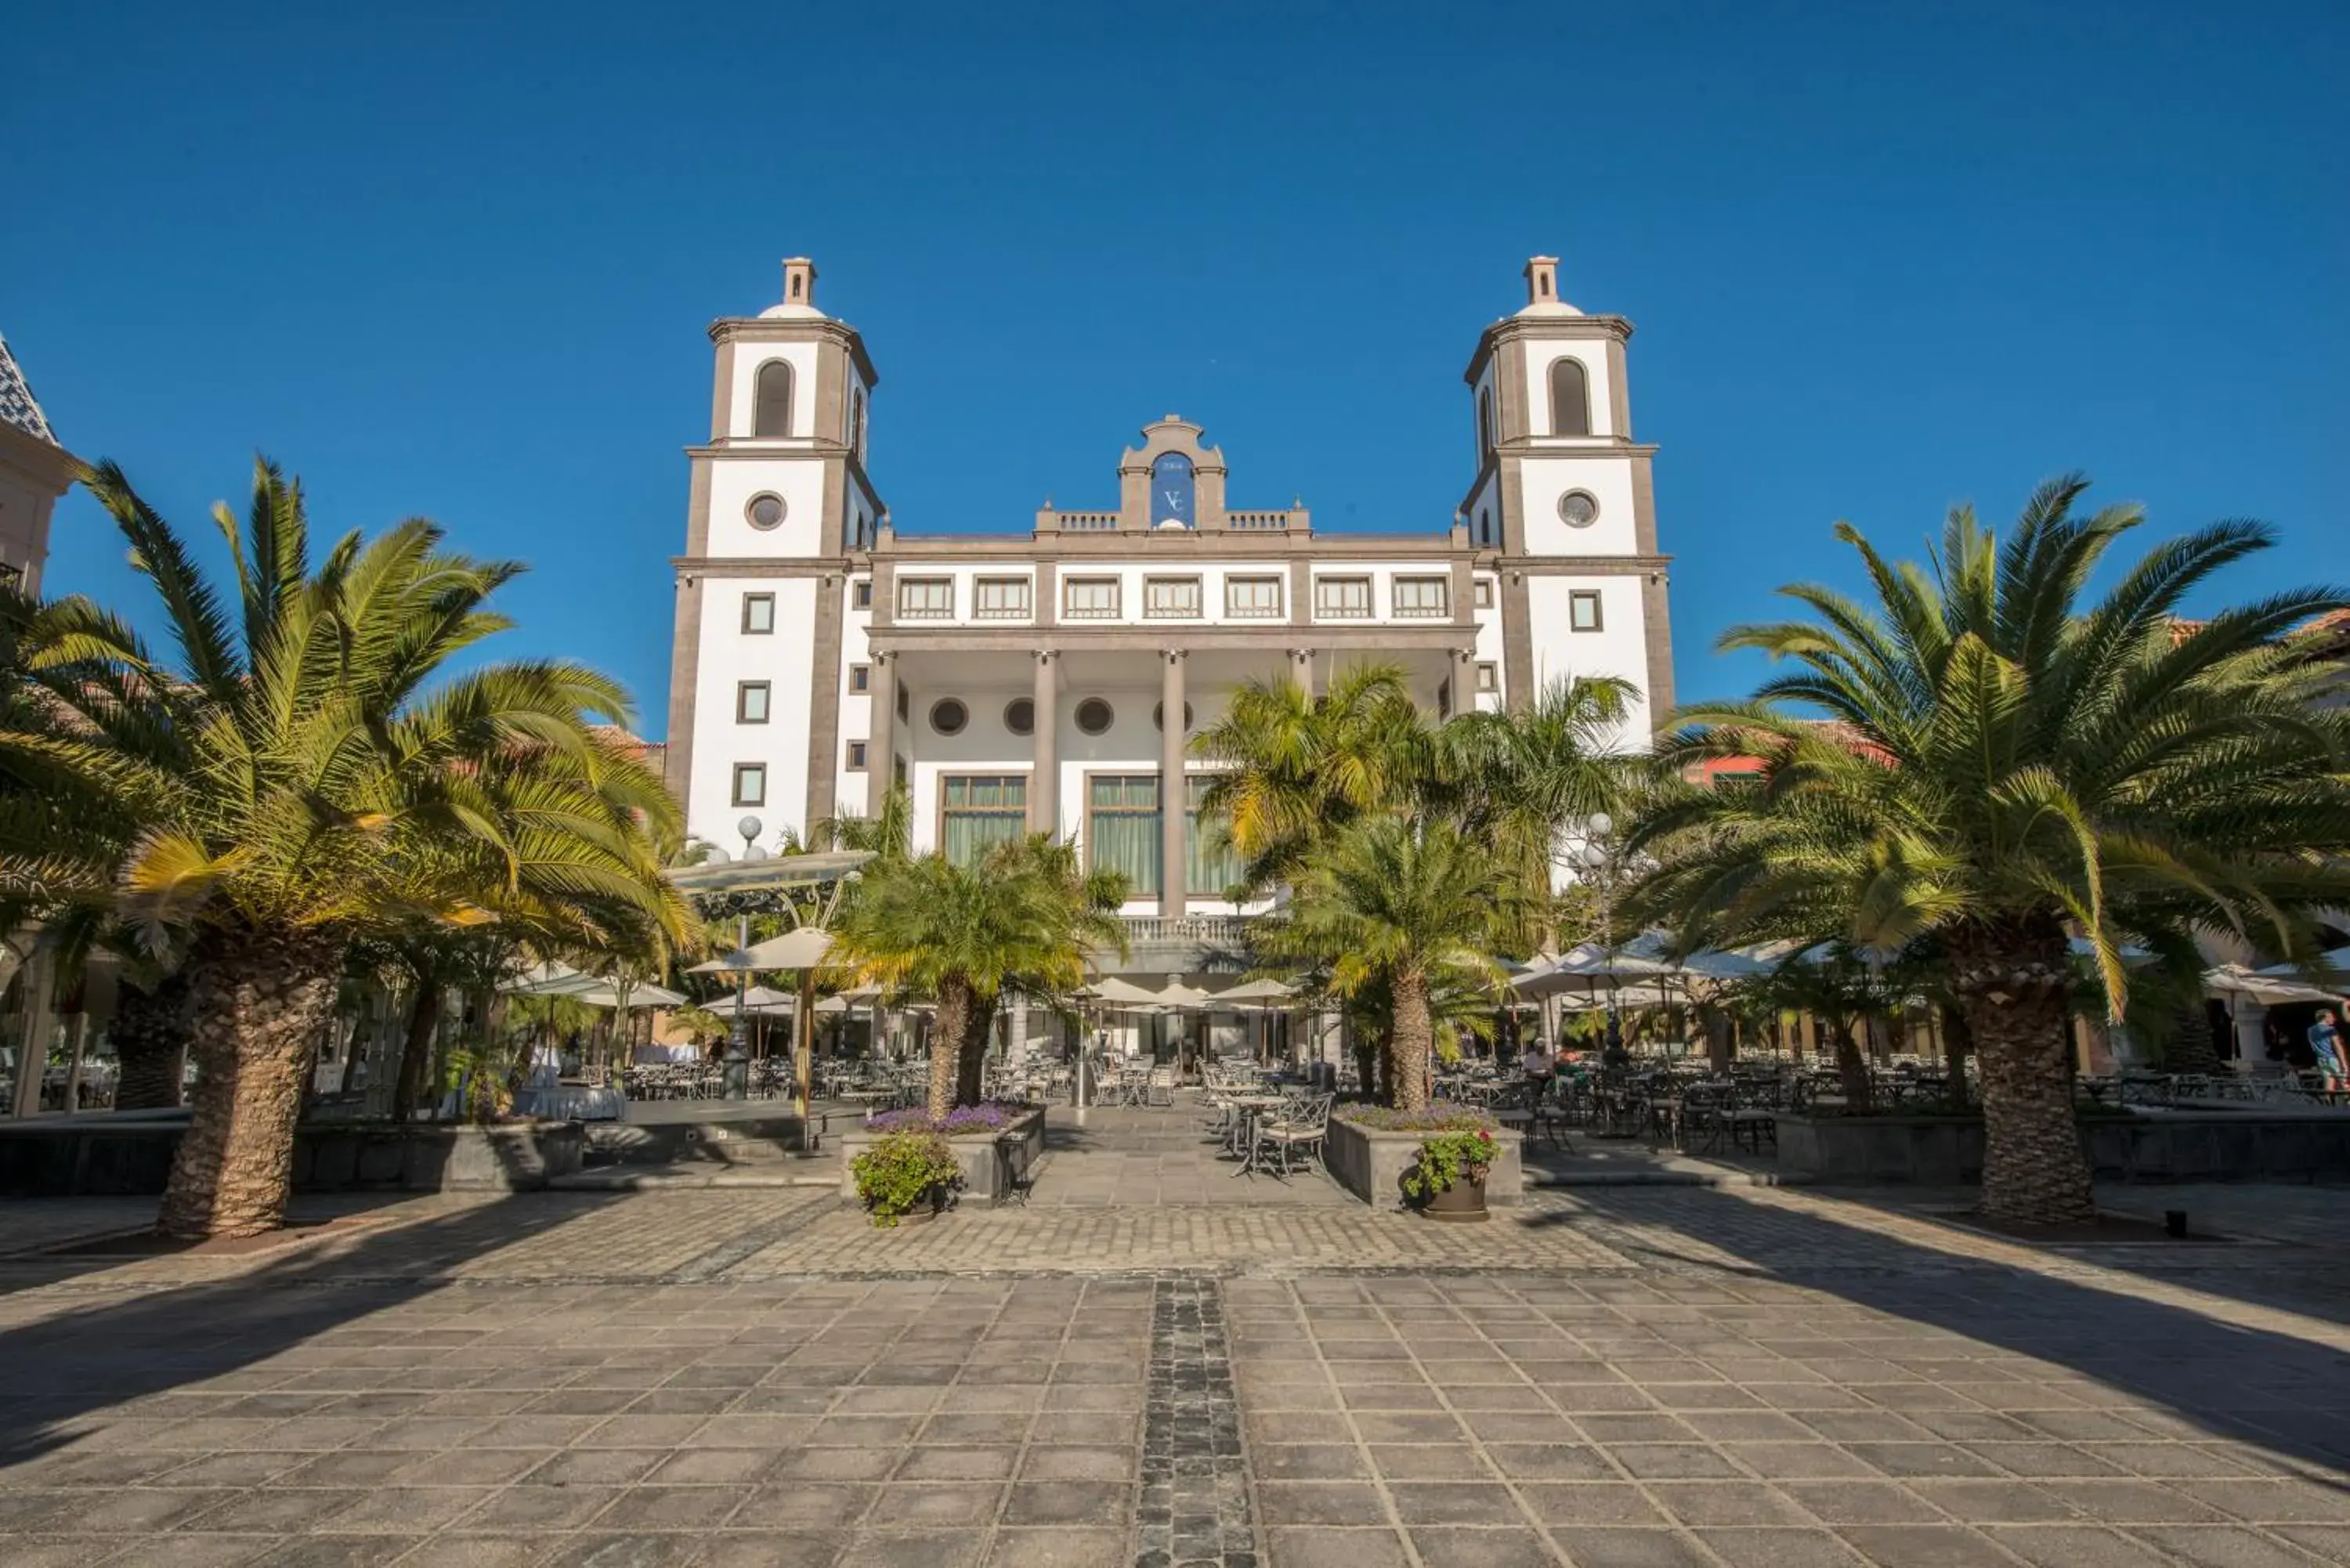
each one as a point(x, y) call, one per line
point(1720, 1376)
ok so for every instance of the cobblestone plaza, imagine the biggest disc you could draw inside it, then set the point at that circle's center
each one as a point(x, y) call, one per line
point(1612, 1375)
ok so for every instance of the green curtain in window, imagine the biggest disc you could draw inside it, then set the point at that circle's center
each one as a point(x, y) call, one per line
point(983, 812)
point(1213, 867)
point(1124, 824)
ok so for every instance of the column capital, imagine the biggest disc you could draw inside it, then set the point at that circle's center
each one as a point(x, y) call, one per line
point(1047, 655)
point(1174, 655)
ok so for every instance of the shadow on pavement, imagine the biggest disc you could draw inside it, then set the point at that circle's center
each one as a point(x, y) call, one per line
point(2273, 1389)
point(72, 1363)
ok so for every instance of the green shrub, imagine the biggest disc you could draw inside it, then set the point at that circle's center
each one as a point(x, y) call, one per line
point(895, 1176)
point(1448, 1158)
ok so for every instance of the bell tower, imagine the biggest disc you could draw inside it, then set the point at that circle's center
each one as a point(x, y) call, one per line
point(1564, 498)
point(781, 510)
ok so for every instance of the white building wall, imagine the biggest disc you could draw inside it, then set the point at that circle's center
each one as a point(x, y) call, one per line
point(1544, 479)
point(732, 484)
point(1619, 648)
point(785, 658)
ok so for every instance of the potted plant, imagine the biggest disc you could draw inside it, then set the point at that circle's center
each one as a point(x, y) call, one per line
point(907, 1175)
point(1449, 1181)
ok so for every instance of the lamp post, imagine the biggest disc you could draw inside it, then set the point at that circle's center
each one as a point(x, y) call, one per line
point(738, 1038)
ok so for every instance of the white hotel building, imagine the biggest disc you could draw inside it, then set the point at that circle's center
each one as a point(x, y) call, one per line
point(1045, 678)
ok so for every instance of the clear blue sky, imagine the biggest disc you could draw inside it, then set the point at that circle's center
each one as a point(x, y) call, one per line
point(1880, 257)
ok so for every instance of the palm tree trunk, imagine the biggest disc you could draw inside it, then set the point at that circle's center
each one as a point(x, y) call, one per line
point(257, 1001)
point(2014, 984)
point(416, 1048)
point(971, 1060)
point(1958, 1044)
point(2190, 1048)
point(1367, 1065)
point(946, 1043)
point(150, 1041)
point(1851, 1068)
point(1415, 1040)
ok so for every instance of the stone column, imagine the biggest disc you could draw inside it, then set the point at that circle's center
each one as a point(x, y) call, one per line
point(33, 1043)
point(1045, 784)
point(1171, 796)
point(1301, 669)
point(1465, 681)
point(2251, 1032)
point(881, 738)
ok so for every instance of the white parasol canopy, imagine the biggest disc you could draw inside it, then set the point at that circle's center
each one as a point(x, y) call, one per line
point(1121, 993)
point(757, 999)
point(802, 949)
point(2233, 980)
point(1257, 993)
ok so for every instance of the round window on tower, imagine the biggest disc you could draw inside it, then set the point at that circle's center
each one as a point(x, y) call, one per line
point(1095, 716)
point(1158, 716)
point(1020, 716)
point(1578, 508)
point(766, 510)
point(948, 716)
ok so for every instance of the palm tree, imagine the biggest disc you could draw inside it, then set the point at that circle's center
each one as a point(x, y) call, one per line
point(307, 772)
point(1294, 767)
point(1527, 780)
point(1404, 904)
point(2006, 765)
point(1021, 916)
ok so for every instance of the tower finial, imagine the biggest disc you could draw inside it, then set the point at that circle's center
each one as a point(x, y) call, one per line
point(799, 280)
point(1542, 280)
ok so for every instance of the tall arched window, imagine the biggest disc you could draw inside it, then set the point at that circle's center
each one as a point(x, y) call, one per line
point(856, 423)
point(1484, 423)
point(1570, 398)
point(771, 405)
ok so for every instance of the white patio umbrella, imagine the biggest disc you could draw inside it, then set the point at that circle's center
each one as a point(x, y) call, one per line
point(2231, 981)
point(1257, 993)
point(802, 949)
point(1119, 992)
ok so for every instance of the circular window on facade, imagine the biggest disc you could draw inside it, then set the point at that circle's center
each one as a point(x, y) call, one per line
point(1578, 508)
point(1095, 716)
point(766, 510)
point(948, 716)
point(1158, 716)
point(1020, 716)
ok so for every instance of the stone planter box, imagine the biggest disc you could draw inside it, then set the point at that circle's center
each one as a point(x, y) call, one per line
point(1370, 1163)
point(132, 1154)
point(984, 1176)
point(2264, 1145)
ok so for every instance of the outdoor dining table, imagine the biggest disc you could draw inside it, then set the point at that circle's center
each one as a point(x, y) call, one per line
point(1248, 1114)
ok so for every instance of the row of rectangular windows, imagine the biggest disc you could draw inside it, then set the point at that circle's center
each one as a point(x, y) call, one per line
point(1180, 598)
point(1122, 818)
point(1096, 598)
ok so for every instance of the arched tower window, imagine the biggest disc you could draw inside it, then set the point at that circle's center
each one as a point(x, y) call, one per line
point(856, 421)
point(1570, 398)
point(771, 404)
point(1484, 422)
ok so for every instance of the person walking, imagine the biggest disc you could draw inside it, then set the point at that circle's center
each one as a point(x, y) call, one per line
point(2325, 1046)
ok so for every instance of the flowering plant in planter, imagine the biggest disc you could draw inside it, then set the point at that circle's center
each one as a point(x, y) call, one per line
point(988, 1116)
point(902, 1172)
point(1447, 1158)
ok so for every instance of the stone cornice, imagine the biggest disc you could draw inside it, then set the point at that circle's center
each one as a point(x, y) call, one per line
point(795, 330)
point(1555, 328)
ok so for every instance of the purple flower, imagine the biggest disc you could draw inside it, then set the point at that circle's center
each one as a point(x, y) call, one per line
point(988, 1117)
